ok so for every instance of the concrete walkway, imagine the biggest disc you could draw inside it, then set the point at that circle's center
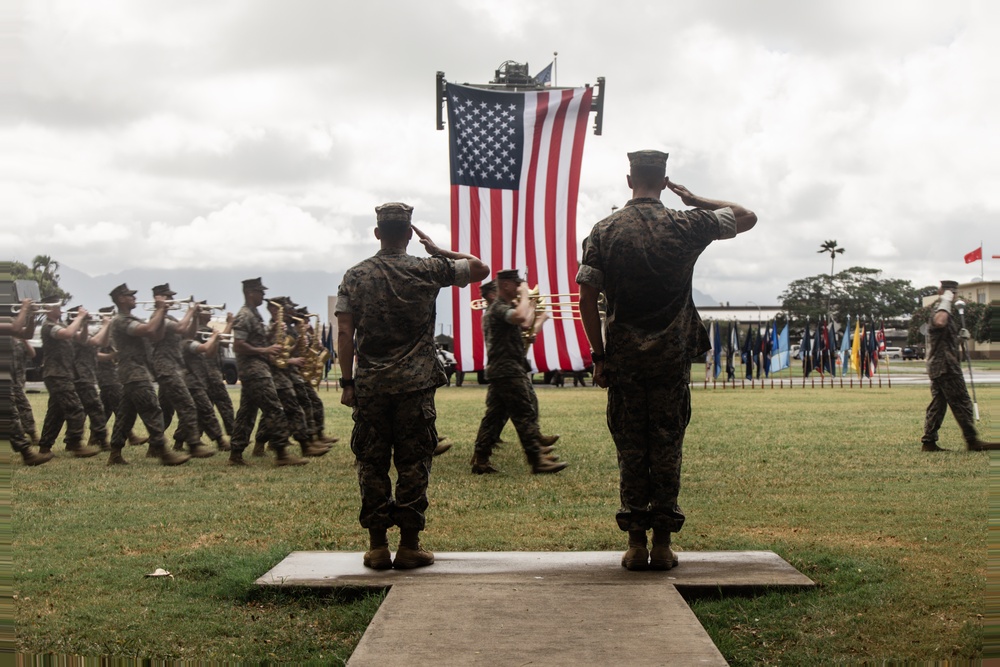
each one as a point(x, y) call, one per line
point(544, 608)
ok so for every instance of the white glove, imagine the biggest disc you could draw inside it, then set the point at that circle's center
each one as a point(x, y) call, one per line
point(963, 333)
point(946, 299)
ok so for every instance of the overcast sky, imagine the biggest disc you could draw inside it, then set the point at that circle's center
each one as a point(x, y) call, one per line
point(261, 134)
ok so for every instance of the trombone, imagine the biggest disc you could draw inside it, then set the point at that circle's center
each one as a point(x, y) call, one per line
point(563, 305)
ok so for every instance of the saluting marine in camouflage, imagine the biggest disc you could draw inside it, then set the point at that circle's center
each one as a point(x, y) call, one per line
point(129, 335)
point(944, 368)
point(386, 311)
point(253, 353)
point(510, 392)
point(64, 404)
point(642, 257)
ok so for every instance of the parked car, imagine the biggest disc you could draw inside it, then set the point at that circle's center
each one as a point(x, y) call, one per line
point(913, 353)
point(891, 353)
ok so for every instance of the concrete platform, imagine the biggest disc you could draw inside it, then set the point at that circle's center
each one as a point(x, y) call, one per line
point(545, 608)
point(697, 569)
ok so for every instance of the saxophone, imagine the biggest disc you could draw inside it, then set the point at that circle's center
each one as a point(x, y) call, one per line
point(279, 336)
point(315, 355)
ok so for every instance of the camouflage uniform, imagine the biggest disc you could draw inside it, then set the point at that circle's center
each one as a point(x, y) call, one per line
point(168, 365)
point(85, 365)
point(18, 395)
point(195, 374)
point(510, 393)
point(258, 392)
point(284, 384)
point(944, 367)
point(64, 404)
point(642, 257)
point(138, 395)
point(215, 386)
point(391, 297)
point(107, 383)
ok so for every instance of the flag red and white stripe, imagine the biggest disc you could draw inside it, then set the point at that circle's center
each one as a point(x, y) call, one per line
point(513, 204)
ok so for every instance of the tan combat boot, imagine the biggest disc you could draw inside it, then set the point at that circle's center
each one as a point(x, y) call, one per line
point(410, 554)
point(548, 440)
point(135, 440)
point(482, 466)
point(32, 458)
point(637, 556)
point(116, 458)
point(236, 458)
point(283, 457)
point(169, 458)
point(200, 450)
point(81, 451)
point(258, 448)
point(661, 556)
point(224, 443)
point(546, 465)
point(378, 557)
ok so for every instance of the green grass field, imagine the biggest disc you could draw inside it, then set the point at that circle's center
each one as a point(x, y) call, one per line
point(833, 480)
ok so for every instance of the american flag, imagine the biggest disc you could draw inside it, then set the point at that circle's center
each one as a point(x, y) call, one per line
point(515, 176)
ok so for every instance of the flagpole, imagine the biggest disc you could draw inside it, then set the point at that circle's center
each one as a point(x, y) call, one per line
point(982, 263)
point(555, 69)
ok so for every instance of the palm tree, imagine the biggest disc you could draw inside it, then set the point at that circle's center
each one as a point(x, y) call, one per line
point(830, 246)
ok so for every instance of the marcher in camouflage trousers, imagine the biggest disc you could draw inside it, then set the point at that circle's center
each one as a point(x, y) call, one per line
point(27, 417)
point(208, 423)
point(138, 399)
point(64, 406)
point(948, 391)
point(396, 428)
point(94, 410)
point(175, 397)
point(647, 419)
point(259, 394)
point(219, 395)
point(512, 397)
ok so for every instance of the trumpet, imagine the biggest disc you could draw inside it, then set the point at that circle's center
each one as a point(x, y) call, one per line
point(172, 304)
point(35, 307)
point(205, 335)
point(204, 307)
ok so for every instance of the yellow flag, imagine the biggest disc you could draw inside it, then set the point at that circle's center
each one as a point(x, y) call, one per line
point(856, 347)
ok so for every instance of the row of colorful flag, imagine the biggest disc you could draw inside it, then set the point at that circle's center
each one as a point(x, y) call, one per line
point(764, 350)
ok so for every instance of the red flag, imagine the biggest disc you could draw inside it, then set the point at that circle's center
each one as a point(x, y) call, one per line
point(975, 255)
point(515, 175)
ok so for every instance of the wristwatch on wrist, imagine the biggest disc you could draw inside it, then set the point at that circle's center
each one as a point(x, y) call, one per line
point(597, 356)
point(346, 382)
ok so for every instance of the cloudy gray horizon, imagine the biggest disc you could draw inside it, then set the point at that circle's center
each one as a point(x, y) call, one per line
point(260, 136)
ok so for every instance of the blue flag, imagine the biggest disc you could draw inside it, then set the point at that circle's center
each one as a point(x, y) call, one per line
point(545, 76)
point(845, 347)
point(779, 357)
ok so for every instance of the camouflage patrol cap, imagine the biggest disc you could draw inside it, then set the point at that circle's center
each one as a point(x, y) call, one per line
point(53, 299)
point(648, 158)
point(949, 284)
point(253, 283)
point(163, 290)
point(107, 310)
point(509, 274)
point(393, 212)
point(74, 310)
point(488, 287)
point(121, 290)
